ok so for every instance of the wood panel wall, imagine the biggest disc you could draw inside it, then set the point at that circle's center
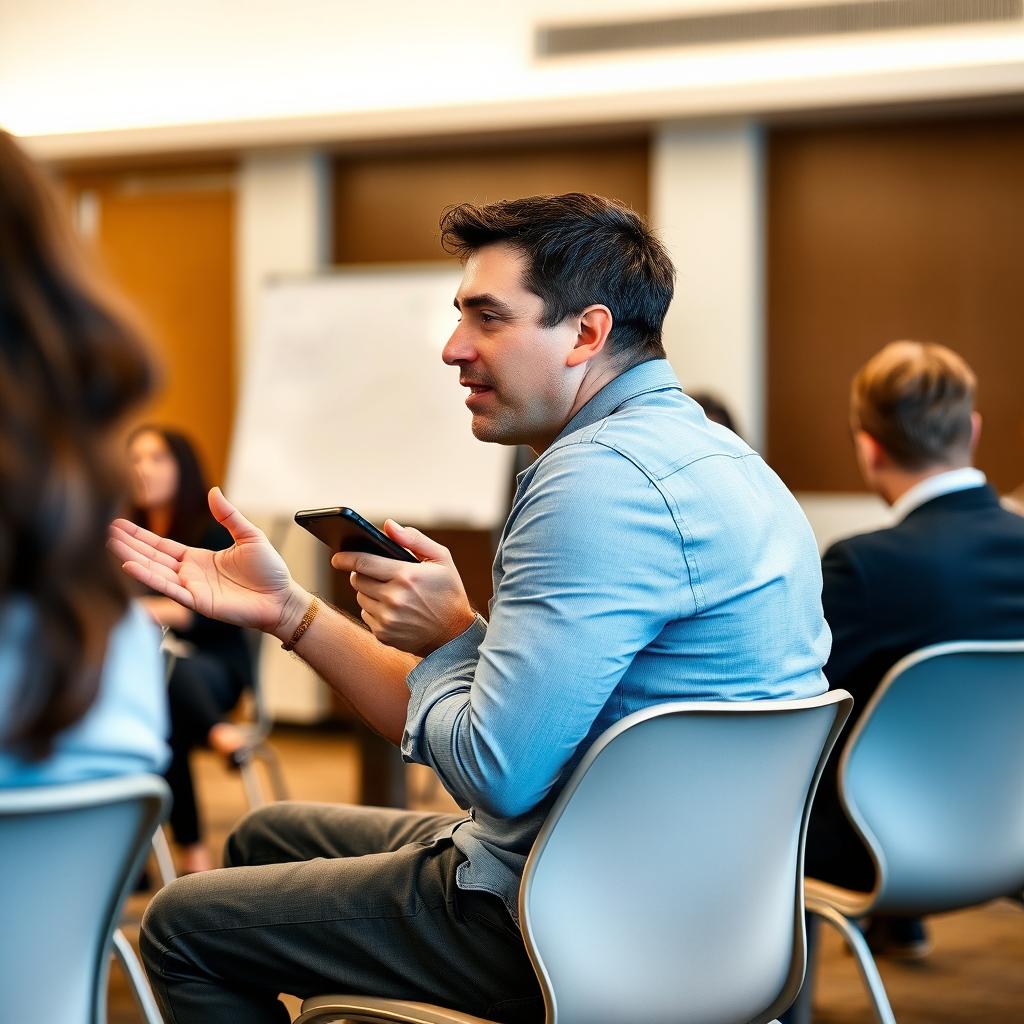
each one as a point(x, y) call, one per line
point(386, 207)
point(884, 231)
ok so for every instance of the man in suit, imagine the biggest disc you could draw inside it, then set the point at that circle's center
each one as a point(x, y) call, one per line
point(951, 568)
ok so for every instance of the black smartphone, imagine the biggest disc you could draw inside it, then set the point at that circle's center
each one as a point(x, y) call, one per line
point(343, 529)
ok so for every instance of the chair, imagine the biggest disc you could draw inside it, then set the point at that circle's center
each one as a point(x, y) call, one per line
point(665, 886)
point(69, 856)
point(931, 778)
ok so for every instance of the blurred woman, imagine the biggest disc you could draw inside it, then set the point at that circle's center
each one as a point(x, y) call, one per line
point(213, 665)
point(81, 686)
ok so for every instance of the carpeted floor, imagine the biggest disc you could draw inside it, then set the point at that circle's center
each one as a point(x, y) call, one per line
point(975, 973)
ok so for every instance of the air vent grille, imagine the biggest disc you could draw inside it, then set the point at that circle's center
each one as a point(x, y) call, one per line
point(771, 24)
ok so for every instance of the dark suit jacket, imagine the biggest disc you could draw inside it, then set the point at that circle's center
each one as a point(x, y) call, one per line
point(953, 569)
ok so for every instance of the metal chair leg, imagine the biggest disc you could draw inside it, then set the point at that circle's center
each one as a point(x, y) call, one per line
point(163, 858)
point(251, 784)
point(865, 961)
point(136, 979)
point(268, 756)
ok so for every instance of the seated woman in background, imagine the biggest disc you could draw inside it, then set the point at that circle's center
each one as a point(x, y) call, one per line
point(213, 665)
point(81, 686)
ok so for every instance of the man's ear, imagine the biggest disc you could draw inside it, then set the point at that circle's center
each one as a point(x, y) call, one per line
point(975, 430)
point(870, 454)
point(595, 325)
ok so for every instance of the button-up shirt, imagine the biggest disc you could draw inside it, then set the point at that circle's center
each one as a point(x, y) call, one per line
point(650, 556)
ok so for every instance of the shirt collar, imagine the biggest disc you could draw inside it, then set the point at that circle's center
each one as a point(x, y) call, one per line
point(935, 487)
point(653, 375)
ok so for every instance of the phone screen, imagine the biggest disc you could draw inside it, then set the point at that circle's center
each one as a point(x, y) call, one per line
point(343, 529)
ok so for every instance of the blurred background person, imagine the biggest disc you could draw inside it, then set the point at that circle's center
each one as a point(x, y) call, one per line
point(952, 568)
point(212, 662)
point(715, 409)
point(81, 687)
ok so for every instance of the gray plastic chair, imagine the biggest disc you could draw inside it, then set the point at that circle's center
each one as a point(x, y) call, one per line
point(665, 886)
point(932, 778)
point(69, 856)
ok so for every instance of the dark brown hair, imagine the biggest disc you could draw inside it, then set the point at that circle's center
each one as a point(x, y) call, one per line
point(190, 511)
point(70, 367)
point(580, 250)
point(915, 399)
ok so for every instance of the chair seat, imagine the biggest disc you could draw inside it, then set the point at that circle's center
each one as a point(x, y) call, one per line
point(365, 1008)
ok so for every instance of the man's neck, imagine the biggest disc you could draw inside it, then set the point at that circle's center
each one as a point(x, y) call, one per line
point(898, 482)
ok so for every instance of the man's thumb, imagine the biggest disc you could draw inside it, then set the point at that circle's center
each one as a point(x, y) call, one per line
point(419, 544)
point(229, 517)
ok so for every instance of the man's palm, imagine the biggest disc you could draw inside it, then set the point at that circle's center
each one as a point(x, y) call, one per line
point(247, 584)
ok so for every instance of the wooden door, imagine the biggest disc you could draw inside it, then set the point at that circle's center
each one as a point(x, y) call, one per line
point(166, 238)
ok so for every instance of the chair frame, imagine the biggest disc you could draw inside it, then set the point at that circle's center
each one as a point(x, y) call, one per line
point(153, 793)
point(840, 907)
point(324, 1009)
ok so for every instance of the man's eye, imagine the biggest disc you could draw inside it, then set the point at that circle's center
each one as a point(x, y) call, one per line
point(486, 318)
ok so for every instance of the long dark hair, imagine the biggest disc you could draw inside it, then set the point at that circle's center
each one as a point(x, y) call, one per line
point(190, 513)
point(70, 368)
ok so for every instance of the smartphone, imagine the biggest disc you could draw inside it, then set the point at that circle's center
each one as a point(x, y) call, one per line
point(343, 529)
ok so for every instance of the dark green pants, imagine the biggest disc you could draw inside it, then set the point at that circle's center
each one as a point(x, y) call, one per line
point(320, 898)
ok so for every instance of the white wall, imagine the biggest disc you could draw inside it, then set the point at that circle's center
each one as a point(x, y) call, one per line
point(283, 221)
point(248, 71)
point(706, 205)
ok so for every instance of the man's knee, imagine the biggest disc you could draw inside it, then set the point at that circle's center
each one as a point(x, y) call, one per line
point(171, 912)
point(255, 837)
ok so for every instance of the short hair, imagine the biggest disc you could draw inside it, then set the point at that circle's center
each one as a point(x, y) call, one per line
point(715, 409)
point(580, 250)
point(915, 399)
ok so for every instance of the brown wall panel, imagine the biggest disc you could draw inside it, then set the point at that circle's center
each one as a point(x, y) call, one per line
point(386, 207)
point(166, 238)
point(880, 232)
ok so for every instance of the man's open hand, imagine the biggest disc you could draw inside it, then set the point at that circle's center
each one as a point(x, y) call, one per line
point(247, 584)
point(412, 607)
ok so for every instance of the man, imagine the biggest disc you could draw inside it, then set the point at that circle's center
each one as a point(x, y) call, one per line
point(649, 556)
point(952, 568)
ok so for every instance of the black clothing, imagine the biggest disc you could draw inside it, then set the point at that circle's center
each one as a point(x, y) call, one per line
point(202, 689)
point(953, 569)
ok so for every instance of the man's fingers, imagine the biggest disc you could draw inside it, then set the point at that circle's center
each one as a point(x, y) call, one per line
point(230, 518)
point(160, 583)
point(164, 544)
point(425, 549)
point(147, 551)
point(128, 555)
point(375, 567)
point(367, 585)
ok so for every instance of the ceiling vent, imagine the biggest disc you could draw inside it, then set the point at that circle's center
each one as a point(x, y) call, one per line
point(797, 22)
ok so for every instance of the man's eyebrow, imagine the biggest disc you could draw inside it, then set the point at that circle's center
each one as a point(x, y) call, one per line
point(479, 301)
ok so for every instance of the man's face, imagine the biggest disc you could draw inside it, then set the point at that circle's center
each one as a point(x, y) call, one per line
point(521, 390)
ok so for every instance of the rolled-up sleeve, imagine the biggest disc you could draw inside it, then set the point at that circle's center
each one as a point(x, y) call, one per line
point(591, 570)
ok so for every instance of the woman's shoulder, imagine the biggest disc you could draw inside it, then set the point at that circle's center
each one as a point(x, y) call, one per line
point(125, 729)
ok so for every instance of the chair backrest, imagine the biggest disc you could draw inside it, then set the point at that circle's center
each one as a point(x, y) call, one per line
point(666, 885)
point(69, 856)
point(933, 777)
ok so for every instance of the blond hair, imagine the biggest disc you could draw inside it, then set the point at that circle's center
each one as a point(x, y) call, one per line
point(916, 399)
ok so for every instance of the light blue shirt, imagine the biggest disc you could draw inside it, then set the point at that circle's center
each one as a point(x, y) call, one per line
point(650, 556)
point(125, 730)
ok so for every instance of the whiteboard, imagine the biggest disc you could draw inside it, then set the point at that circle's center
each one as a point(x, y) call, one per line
point(345, 401)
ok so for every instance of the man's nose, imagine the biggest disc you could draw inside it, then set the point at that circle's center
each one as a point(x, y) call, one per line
point(459, 348)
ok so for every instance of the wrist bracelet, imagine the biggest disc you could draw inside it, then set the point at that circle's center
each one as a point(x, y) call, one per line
point(314, 607)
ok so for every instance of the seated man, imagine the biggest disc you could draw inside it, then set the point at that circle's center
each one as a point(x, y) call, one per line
point(649, 556)
point(952, 568)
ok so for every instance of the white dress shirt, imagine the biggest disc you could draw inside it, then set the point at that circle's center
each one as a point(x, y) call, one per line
point(936, 486)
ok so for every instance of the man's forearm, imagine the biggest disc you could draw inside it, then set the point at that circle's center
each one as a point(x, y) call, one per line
point(366, 674)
